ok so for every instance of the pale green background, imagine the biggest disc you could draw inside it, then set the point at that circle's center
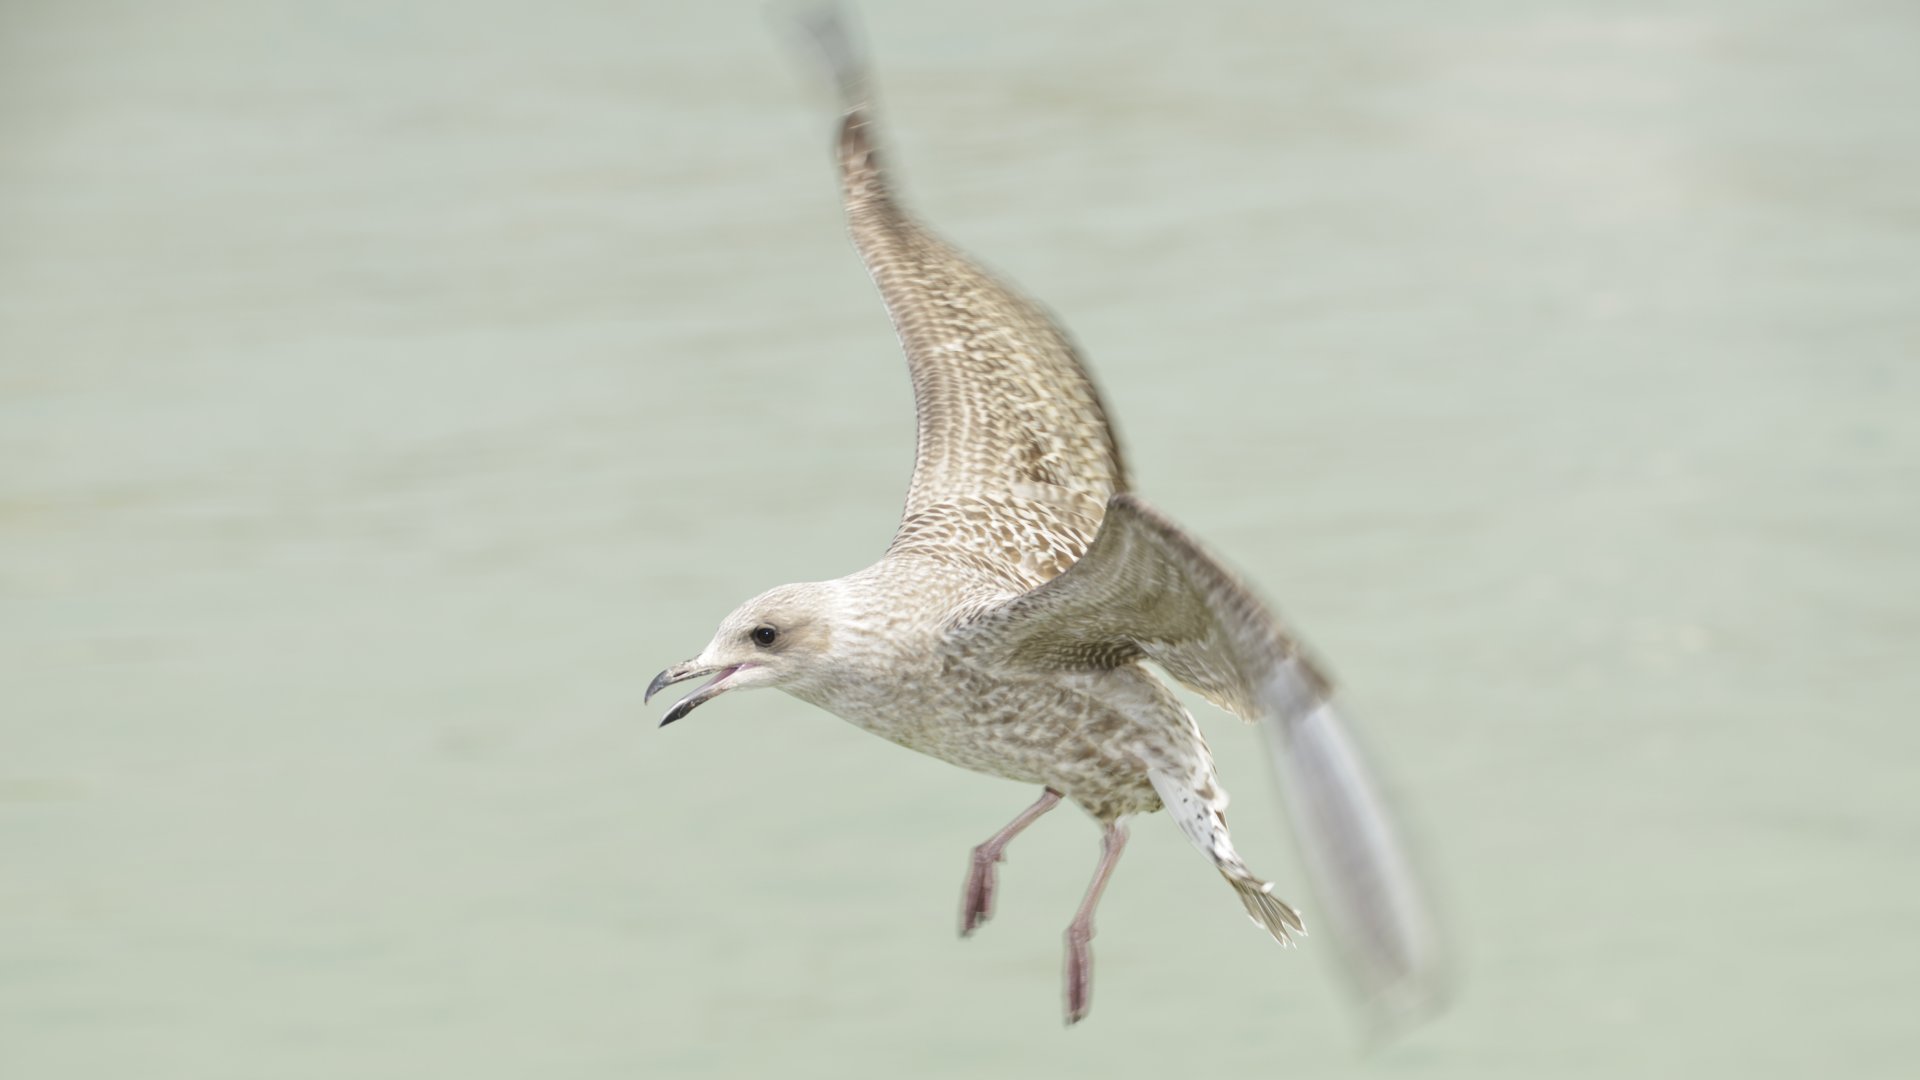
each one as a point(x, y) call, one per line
point(388, 390)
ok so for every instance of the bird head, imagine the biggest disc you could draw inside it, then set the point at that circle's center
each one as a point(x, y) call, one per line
point(780, 638)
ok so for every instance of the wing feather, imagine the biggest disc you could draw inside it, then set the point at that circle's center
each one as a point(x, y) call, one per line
point(1146, 590)
point(1006, 411)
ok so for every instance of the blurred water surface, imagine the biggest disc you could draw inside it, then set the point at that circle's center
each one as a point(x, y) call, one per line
point(388, 390)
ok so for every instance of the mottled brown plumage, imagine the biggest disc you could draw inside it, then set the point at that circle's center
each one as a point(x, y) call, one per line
point(1007, 627)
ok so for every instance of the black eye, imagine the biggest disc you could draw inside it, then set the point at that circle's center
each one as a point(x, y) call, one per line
point(763, 635)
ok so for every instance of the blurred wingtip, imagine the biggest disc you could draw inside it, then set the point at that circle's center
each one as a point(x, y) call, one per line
point(825, 33)
point(1393, 949)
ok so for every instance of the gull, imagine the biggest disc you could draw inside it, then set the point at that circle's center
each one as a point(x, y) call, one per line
point(1009, 626)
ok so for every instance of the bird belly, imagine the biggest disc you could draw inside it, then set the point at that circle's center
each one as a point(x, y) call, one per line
point(1089, 736)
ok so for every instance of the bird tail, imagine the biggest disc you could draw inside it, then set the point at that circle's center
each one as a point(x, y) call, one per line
point(1197, 805)
point(1278, 917)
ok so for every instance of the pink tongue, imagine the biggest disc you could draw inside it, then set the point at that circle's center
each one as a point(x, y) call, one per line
point(711, 683)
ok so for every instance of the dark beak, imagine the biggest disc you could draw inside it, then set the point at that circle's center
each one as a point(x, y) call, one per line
point(681, 673)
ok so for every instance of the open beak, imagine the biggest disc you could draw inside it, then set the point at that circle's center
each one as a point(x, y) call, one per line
point(712, 688)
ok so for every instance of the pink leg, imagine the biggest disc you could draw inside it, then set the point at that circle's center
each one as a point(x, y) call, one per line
point(976, 898)
point(1080, 931)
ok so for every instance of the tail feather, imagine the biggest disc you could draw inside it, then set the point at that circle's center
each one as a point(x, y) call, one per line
point(1195, 804)
point(1278, 917)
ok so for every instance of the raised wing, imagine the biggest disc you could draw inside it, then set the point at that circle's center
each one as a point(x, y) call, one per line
point(1146, 590)
point(1008, 419)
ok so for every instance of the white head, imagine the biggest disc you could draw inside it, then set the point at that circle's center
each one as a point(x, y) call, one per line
point(781, 638)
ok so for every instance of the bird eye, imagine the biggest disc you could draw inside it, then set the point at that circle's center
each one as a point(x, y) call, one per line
point(763, 635)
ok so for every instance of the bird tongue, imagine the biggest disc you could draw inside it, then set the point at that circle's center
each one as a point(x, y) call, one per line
point(715, 681)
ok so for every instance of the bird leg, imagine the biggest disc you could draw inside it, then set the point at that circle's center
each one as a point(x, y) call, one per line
point(976, 897)
point(1080, 931)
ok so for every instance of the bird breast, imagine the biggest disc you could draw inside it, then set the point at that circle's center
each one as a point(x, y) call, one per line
point(1089, 735)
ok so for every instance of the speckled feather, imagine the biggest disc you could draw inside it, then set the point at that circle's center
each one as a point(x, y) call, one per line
point(1015, 467)
point(1015, 458)
point(1008, 626)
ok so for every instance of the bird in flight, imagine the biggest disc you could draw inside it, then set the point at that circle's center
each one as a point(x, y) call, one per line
point(1009, 625)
